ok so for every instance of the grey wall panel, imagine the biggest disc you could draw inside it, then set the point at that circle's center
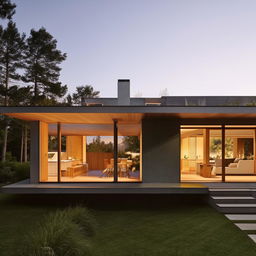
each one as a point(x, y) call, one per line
point(160, 150)
point(34, 152)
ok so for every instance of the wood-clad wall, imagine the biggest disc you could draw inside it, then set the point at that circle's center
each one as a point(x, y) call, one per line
point(206, 147)
point(95, 160)
point(74, 147)
point(43, 128)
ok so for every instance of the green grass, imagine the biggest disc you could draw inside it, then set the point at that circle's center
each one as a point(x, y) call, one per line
point(146, 227)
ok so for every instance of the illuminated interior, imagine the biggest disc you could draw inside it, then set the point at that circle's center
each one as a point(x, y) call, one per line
point(87, 153)
point(201, 154)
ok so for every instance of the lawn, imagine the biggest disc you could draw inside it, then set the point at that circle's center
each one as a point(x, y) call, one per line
point(131, 226)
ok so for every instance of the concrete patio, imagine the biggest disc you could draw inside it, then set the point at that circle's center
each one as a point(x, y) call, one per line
point(24, 187)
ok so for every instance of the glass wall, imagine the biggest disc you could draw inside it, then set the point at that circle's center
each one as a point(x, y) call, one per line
point(239, 162)
point(201, 154)
point(87, 153)
point(191, 150)
point(48, 152)
point(129, 153)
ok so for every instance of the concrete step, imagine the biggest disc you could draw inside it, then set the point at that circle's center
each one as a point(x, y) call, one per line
point(246, 226)
point(233, 199)
point(253, 237)
point(240, 217)
point(237, 208)
point(230, 192)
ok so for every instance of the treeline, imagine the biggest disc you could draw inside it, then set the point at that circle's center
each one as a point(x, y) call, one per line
point(29, 76)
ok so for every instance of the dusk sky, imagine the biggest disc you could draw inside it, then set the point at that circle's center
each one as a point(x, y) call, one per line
point(190, 47)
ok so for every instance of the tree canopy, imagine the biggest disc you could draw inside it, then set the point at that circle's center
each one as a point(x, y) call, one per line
point(12, 46)
point(7, 9)
point(83, 92)
point(42, 70)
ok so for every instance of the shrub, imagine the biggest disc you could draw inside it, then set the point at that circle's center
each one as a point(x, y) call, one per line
point(13, 172)
point(21, 170)
point(83, 218)
point(6, 174)
point(60, 233)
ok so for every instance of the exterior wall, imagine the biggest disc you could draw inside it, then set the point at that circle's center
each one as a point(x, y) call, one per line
point(34, 152)
point(161, 150)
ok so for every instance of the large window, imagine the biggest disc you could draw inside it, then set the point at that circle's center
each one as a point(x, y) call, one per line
point(129, 153)
point(202, 156)
point(87, 153)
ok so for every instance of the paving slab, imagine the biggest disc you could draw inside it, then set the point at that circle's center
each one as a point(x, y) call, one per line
point(232, 197)
point(246, 226)
point(237, 205)
point(235, 217)
point(253, 237)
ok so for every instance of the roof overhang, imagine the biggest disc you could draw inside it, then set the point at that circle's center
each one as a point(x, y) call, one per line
point(126, 114)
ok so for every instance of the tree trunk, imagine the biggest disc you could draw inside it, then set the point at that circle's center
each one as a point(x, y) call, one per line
point(21, 145)
point(6, 84)
point(26, 144)
point(5, 143)
point(35, 92)
point(6, 104)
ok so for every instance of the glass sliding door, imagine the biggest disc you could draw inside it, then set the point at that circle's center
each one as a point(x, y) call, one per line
point(205, 158)
point(87, 153)
point(48, 152)
point(239, 148)
point(201, 151)
point(129, 153)
point(71, 152)
point(215, 153)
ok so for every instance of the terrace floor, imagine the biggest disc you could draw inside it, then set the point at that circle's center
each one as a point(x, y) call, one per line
point(25, 187)
point(229, 178)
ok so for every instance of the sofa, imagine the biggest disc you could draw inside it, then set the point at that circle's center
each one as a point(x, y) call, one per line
point(240, 168)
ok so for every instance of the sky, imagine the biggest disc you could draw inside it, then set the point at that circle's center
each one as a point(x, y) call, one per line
point(189, 47)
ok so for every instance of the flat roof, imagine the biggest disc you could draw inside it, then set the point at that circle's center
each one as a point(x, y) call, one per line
point(126, 114)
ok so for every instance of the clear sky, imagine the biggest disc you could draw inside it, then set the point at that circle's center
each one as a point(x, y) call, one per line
point(190, 47)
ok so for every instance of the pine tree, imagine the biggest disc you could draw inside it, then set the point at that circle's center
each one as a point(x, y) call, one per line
point(7, 9)
point(11, 60)
point(42, 68)
point(83, 92)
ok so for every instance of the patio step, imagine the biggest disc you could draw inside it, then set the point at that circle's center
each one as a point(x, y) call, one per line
point(253, 237)
point(246, 226)
point(230, 191)
point(238, 204)
point(237, 208)
point(233, 199)
point(241, 217)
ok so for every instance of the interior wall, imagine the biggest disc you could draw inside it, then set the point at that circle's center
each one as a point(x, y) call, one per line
point(43, 145)
point(161, 150)
point(74, 147)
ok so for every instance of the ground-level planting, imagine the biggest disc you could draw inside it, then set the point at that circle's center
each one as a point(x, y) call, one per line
point(131, 225)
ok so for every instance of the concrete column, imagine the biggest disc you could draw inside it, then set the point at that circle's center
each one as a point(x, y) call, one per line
point(161, 150)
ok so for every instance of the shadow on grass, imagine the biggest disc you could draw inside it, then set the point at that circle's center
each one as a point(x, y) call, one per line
point(108, 201)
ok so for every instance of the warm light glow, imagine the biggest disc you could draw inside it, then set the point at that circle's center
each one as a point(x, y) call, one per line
point(201, 153)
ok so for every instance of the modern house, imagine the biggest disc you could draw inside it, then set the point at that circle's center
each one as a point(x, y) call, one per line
point(133, 145)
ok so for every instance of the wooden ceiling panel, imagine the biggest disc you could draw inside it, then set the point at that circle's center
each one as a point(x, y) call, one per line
point(80, 118)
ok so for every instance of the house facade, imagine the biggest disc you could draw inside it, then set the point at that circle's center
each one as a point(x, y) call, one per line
point(166, 140)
